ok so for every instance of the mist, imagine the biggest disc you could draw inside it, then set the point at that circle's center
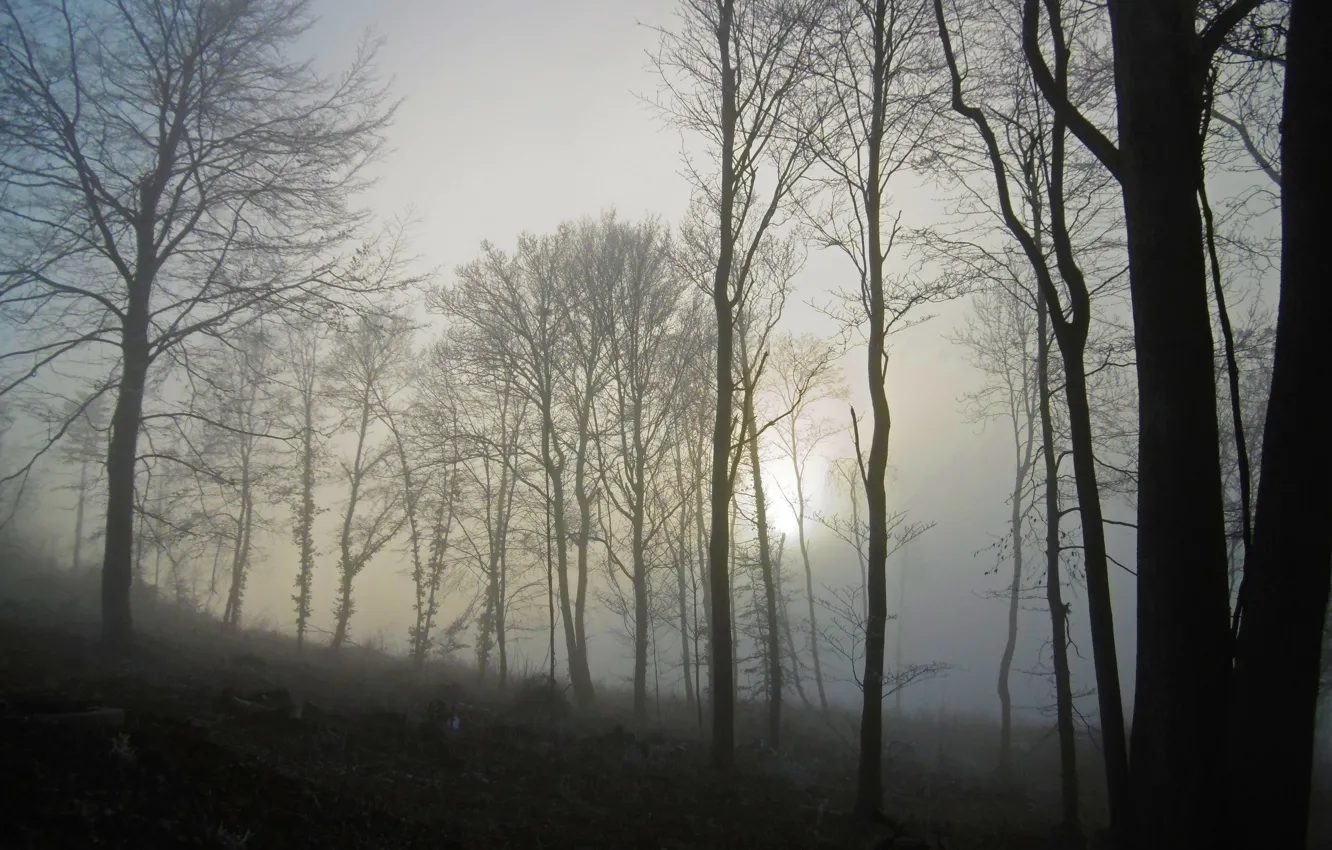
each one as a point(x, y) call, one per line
point(421, 358)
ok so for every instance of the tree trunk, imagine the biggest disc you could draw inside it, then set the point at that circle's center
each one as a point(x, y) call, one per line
point(305, 524)
point(1183, 642)
point(1014, 591)
point(240, 560)
point(1068, 765)
point(344, 611)
point(78, 516)
point(681, 586)
point(122, 455)
point(1285, 587)
point(584, 500)
point(788, 633)
point(348, 568)
point(580, 675)
point(772, 634)
point(869, 791)
point(642, 616)
point(719, 631)
point(809, 572)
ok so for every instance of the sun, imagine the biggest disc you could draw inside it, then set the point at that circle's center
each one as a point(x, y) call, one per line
point(782, 519)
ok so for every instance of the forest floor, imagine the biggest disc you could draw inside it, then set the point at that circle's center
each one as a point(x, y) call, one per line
point(238, 742)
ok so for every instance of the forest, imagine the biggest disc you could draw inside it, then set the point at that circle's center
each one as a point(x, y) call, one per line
point(675, 469)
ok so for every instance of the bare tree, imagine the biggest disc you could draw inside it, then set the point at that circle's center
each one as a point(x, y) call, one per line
point(362, 362)
point(876, 66)
point(1161, 58)
point(1000, 335)
point(1033, 156)
point(640, 305)
point(494, 413)
point(735, 72)
point(799, 439)
point(241, 394)
point(515, 317)
point(303, 349)
point(170, 173)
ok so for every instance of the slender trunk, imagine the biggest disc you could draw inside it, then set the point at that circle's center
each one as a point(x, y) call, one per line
point(240, 559)
point(701, 537)
point(1286, 583)
point(868, 777)
point(1068, 767)
point(344, 611)
point(809, 570)
point(1014, 593)
point(348, 566)
point(420, 633)
point(584, 500)
point(78, 516)
point(682, 555)
point(772, 633)
point(789, 634)
point(642, 626)
point(719, 633)
point(899, 639)
point(305, 522)
point(579, 673)
point(730, 596)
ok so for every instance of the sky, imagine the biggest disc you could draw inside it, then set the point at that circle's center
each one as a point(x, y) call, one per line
point(517, 116)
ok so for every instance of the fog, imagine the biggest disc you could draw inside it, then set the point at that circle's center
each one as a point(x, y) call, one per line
point(547, 121)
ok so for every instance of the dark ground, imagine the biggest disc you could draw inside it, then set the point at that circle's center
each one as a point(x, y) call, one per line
point(363, 767)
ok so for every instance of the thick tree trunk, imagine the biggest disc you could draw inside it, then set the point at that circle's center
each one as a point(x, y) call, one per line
point(118, 563)
point(1285, 588)
point(1183, 643)
point(1068, 765)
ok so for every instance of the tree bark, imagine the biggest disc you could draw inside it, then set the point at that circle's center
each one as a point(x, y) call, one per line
point(1286, 583)
point(1183, 637)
